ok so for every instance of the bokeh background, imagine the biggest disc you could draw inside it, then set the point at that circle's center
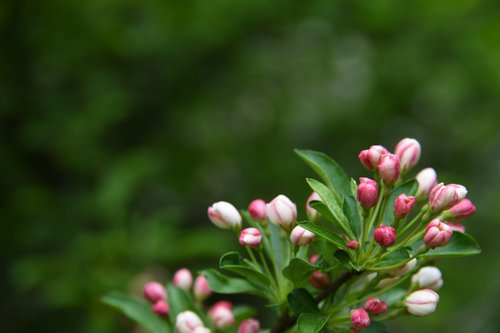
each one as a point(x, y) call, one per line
point(122, 120)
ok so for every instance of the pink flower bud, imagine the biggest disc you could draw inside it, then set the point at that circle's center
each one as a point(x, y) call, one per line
point(187, 322)
point(408, 152)
point(183, 279)
point(282, 212)
point(221, 315)
point(460, 211)
point(359, 319)
point(445, 196)
point(249, 325)
point(422, 302)
point(403, 205)
point(201, 330)
point(389, 168)
point(201, 288)
point(250, 237)
point(312, 214)
point(319, 280)
point(428, 277)
point(301, 236)
point(427, 179)
point(313, 258)
point(367, 192)
point(437, 234)
point(370, 157)
point(160, 308)
point(456, 227)
point(375, 306)
point(257, 210)
point(154, 292)
point(402, 270)
point(224, 215)
point(352, 244)
point(384, 235)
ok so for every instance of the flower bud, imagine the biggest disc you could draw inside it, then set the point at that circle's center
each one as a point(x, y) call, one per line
point(201, 288)
point(460, 211)
point(249, 325)
point(422, 302)
point(257, 209)
point(456, 227)
point(427, 179)
point(160, 308)
point(428, 277)
point(282, 212)
point(187, 322)
point(408, 152)
point(359, 319)
point(221, 315)
point(201, 330)
point(403, 205)
point(389, 168)
point(370, 157)
point(154, 292)
point(375, 306)
point(402, 270)
point(250, 237)
point(183, 279)
point(384, 235)
point(312, 214)
point(367, 192)
point(224, 215)
point(313, 259)
point(437, 234)
point(352, 244)
point(445, 196)
point(319, 280)
point(301, 236)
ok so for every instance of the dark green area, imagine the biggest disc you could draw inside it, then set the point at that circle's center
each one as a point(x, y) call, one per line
point(122, 120)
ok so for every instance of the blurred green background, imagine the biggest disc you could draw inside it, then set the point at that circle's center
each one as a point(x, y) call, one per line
point(123, 120)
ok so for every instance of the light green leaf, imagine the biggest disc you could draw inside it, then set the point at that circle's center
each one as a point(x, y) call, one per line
point(228, 285)
point(233, 262)
point(351, 211)
point(324, 233)
point(311, 322)
point(460, 244)
point(298, 271)
point(393, 260)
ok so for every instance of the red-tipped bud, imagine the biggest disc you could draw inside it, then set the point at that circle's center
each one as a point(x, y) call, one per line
point(389, 168)
point(224, 215)
point(257, 209)
point(282, 212)
point(250, 237)
point(352, 244)
point(160, 308)
point(384, 235)
point(437, 234)
point(183, 279)
point(301, 236)
point(370, 157)
point(319, 280)
point(456, 227)
point(422, 302)
point(460, 211)
point(375, 306)
point(201, 288)
point(408, 151)
point(221, 315)
point(154, 292)
point(359, 319)
point(428, 277)
point(313, 258)
point(427, 179)
point(187, 322)
point(403, 205)
point(312, 214)
point(249, 325)
point(446, 196)
point(367, 192)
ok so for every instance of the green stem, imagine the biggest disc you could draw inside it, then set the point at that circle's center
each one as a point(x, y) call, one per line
point(368, 226)
point(412, 222)
point(252, 256)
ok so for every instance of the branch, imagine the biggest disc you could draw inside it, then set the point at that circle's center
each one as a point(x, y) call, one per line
point(287, 321)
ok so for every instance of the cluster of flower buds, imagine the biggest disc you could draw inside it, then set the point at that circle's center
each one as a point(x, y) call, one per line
point(155, 293)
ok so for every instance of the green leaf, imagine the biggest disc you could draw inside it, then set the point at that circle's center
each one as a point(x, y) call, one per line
point(331, 173)
point(228, 285)
point(242, 312)
point(301, 301)
point(351, 211)
point(276, 246)
point(408, 187)
point(344, 259)
point(328, 199)
point(298, 271)
point(393, 260)
point(233, 262)
point(324, 233)
point(460, 244)
point(311, 322)
point(180, 300)
point(376, 327)
point(138, 311)
point(323, 210)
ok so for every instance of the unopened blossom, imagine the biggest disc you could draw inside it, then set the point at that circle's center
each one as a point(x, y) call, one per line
point(445, 196)
point(384, 235)
point(187, 322)
point(154, 292)
point(459, 212)
point(375, 306)
point(456, 227)
point(437, 234)
point(352, 244)
point(422, 302)
point(224, 215)
point(221, 315)
point(201, 330)
point(312, 214)
point(408, 151)
point(426, 179)
point(249, 325)
point(389, 168)
point(319, 280)
point(183, 279)
point(428, 277)
point(403, 205)
point(369, 158)
point(360, 319)
point(257, 209)
point(282, 212)
point(250, 237)
point(301, 236)
point(201, 288)
point(160, 308)
point(367, 192)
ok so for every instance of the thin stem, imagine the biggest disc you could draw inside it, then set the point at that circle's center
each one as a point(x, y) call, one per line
point(268, 271)
point(368, 226)
point(252, 256)
point(412, 222)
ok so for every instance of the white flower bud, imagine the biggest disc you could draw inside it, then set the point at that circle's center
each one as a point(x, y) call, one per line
point(422, 302)
point(428, 277)
point(224, 215)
